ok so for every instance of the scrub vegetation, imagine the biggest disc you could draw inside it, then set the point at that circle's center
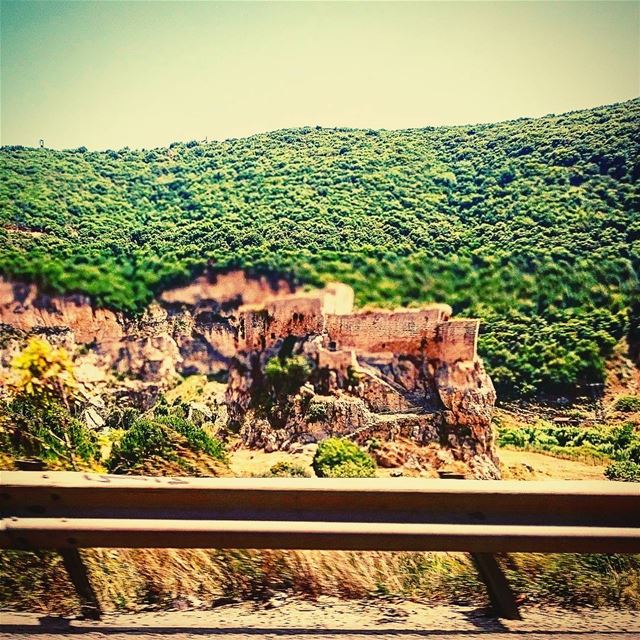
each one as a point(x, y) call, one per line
point(41, 416)
point(341, 458)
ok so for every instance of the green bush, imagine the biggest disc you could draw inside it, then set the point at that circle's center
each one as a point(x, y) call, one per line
point(122, 418)
point(317, 412)
point(145, 438)
point(623, 436)
point(44, 429)
point(288, 375)
point(350, 469)
point(156, 437)
point(341, 458)
point(627, 404)
point(619, 443)
point(197, 437)
point(625, 470)
point(285, 469)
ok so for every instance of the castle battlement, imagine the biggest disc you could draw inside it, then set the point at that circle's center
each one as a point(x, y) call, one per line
point(426, 332)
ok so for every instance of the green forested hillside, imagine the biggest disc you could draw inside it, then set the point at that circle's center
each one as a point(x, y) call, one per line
point(531, 225)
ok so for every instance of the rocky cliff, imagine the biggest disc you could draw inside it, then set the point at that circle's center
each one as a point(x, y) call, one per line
point(374, 375)
point(187, 330)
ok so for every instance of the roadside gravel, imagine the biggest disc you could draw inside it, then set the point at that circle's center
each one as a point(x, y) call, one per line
point(331, 618)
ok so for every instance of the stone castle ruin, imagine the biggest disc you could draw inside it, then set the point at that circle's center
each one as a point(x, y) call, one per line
point(409, 373)
point(372, 374)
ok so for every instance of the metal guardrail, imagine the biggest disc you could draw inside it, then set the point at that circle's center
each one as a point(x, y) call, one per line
point(67, 511)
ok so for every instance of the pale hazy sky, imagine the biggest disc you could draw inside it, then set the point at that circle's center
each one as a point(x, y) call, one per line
point(144, 74)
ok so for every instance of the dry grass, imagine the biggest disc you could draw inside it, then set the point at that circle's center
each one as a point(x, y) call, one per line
point(134, 579)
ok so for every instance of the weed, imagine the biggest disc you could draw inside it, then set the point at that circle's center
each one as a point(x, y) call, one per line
point(341, 458)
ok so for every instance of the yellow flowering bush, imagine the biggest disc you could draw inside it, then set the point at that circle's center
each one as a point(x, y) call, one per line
point(44, 372)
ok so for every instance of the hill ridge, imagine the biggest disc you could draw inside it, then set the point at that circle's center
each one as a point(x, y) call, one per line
point(530, 225)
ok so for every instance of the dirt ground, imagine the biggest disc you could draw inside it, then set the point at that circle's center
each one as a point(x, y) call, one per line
point(293, 619)
point(516, 465)
point(528, 465)
point(256, 462)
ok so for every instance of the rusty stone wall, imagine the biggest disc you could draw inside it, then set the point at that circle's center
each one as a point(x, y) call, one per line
point(298, 314)
point(426, 333)
point(260, 327)
point(458, 340)
point(407, 331)
point(338, 298)
point(339, 361)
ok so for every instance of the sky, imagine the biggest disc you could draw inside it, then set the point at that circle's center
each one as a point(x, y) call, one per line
point(145, 74)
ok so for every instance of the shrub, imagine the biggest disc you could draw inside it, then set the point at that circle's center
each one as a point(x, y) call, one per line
point(197, 437)
point(43, 372)
point(38, 419)
point(351, 469)
point(632, 452)
point(622, 436)
point(288, 375)
point(528, 435)
point(340, 458)
point(354, 377)
point(122, 418)
point(285, 469)
point(599, 442)
point(317, 412)
point(627, 404)
point(144, 439)
point(625, 470)
point(149, 437)
point(46, 430)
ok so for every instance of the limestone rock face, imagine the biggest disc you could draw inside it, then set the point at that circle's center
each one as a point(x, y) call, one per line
point(24, 308)
point(468, 397)
point(415, 460)
point(188, 330)
point(340, 417)
point(380, 395)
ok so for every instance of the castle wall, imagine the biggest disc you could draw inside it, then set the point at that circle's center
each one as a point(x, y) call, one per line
point(338, 298)
point(405, 332)
point(458, 340)
point(339, 361)
point(261, 327)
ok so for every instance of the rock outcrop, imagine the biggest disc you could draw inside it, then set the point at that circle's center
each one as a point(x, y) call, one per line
point(187, 330)
point(409, 374)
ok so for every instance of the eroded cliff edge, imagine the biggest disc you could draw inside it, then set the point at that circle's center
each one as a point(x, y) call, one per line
point(186, 330)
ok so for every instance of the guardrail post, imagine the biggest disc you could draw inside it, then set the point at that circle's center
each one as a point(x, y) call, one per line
point(89, 605)
point(501, 596)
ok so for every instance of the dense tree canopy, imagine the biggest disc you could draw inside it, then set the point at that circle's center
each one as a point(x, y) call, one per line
point(531, 225)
